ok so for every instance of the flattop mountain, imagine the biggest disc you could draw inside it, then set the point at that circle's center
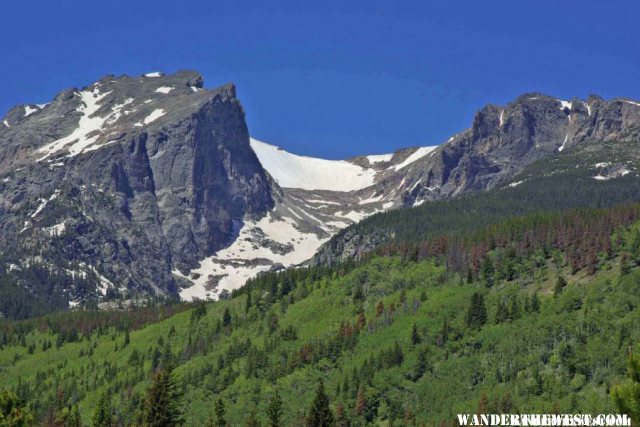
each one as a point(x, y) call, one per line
point(152, 185)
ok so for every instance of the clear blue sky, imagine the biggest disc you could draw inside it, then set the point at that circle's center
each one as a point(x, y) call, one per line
point(339, 78)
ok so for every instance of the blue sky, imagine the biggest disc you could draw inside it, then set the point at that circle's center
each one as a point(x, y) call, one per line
point(334, 79)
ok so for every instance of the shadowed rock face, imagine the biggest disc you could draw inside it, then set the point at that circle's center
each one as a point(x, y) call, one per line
point(503, 140)
point(152, 176)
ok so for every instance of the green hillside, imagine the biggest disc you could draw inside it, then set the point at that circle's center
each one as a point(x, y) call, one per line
point(540, 326)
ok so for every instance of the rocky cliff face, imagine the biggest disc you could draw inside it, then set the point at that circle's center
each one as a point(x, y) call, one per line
point(503, 140)
point(135, 176)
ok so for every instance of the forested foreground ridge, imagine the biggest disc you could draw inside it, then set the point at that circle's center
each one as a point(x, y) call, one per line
point(535, 314)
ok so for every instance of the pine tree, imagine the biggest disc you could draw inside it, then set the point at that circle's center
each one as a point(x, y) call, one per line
point(488, 271)
point(535, 303)
point(247, 305)
point(514, 312)
point(274, 410)
point(164, 400)
point(560, 285)
point(220, 411)
point(415, 337)
point(103, 415)
point(502, 312)
point(421, 366)
point(477, 313)
point(320, 414)
point(226, 317)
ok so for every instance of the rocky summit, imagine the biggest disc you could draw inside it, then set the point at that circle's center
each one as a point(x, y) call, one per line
point(151, 185)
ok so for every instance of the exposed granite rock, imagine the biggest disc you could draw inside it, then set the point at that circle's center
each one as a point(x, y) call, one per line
point(158, 182)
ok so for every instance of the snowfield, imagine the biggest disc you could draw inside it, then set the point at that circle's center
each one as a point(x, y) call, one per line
point(308, 173)
point(233, 266)
point(416, 155)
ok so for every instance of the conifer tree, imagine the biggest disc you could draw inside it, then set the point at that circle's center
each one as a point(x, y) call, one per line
point(477, 313)
point(421, 366)
point(103, 415)
point(226, 317)
point(320, 414)
point(220, 411)
point(248, 303)
point(163, 405)
point(502, 312)
point(487, 271)
point(514, 312)
point(560, 285)
point(415, 337)
point(274, 410)
point(535, 303)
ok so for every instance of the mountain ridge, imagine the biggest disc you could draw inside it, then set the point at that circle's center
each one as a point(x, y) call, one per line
point(153, 185)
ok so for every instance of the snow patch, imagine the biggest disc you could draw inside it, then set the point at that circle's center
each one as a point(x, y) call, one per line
point(6, 123)
point(354, 216)
point(79, 139)
point(308, 173)
point(564, 104)
point(501, 118)
point(324, 202)
point(116, 111)
point(55, 230)
point(43, 204)
point(164, 89)
point(153, 74)
point(379, 158)
point(29, 111)
point(416, 155)
point(371, 199)
point(515, 184)
point(612, 174)
point(588, 107)
point(637, 104)
point(566, 138)
point(155, 114)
